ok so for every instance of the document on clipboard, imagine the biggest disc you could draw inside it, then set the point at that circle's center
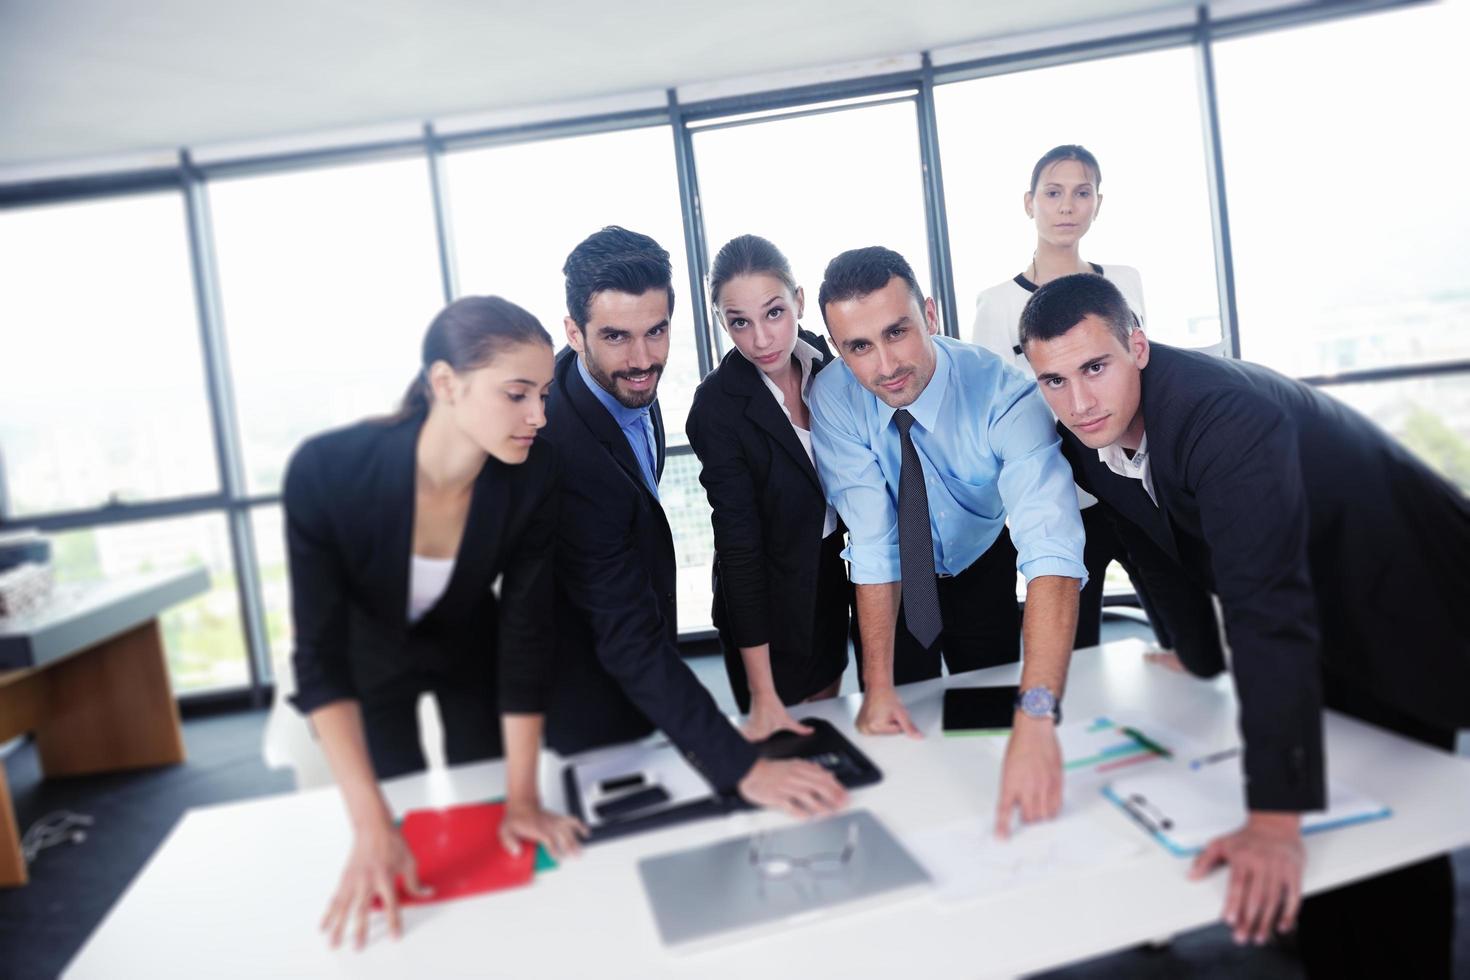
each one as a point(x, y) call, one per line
point(1185, 805)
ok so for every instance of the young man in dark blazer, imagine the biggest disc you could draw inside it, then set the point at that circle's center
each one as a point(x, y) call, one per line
point(619, 674)
point(1340, 562)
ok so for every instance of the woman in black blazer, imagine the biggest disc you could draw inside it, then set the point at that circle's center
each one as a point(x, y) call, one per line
point(782, 598)
point(396, 530)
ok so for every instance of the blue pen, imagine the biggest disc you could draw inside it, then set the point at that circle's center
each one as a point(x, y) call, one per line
point(1214, 757)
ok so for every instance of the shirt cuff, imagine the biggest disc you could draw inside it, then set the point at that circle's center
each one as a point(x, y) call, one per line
point(1048, 565)
point(320, 695)
point(872, 564)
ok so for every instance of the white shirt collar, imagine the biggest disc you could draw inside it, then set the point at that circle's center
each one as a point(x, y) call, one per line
point(1136, 468)
point(807, 357)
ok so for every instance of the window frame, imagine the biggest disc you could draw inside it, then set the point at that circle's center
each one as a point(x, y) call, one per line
point(189, 177)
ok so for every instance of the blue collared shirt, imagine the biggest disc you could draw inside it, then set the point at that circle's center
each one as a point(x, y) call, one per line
point(990, 451)
point(636, 425)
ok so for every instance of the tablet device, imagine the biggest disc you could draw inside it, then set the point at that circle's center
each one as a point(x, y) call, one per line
point(979, 709)
point(825, 746)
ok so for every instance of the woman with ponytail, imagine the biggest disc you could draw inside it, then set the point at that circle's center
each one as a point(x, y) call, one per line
point(397, 530)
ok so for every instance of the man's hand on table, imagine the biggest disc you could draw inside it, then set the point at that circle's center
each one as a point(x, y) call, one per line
point(883, 713)
point(793, 786)
point(1032, 775)
point(1266, 859)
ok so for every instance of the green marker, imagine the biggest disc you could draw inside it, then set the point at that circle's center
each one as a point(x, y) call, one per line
point(1146, 742)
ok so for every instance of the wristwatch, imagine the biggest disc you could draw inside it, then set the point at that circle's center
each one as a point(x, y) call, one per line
point(1040, 702)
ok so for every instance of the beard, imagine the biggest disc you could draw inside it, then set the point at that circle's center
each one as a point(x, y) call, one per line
point(627, 399)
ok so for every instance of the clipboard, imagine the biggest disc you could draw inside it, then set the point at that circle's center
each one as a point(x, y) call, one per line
point(1184, 806)
point(686, 796)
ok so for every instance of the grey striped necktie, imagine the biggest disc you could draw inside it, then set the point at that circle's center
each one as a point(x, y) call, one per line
point(915, 544)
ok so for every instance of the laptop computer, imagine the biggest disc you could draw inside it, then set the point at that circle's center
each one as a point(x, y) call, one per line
point(750, 884)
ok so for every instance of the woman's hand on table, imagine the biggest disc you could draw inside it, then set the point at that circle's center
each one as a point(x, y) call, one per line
point(379, 860)
point(768, 716)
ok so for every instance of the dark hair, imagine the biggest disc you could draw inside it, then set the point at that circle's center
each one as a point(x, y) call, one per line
point(861, 271)
point(1067, 151)
point(747, 255)
point(467, 334)
point(1063, 303)
point(617, 259)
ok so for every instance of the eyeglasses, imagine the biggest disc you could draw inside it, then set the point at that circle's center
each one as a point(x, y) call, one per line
point(773, 866)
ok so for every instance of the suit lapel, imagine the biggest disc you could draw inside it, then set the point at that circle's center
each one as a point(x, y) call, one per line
point(480, 544)
point(600, 423)
point(742, 380)
point(1126, 496)
point(1161, 440)
point(396, 497)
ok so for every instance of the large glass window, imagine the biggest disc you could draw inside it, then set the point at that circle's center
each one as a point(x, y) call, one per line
point(329, 278)
point(268, 526)
point(202, 638)
point(518, 211)
point(1348, 216)
point(816, 185)
point(102, 394)
point(1139, 115)
point(684, 501)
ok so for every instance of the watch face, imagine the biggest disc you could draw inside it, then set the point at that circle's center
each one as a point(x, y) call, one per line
point(1038, 702)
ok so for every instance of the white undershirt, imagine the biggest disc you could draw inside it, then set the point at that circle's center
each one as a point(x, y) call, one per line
point(1136, 468)
point(807, 356)
point(427, 580)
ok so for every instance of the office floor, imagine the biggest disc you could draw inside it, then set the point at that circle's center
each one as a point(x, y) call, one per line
point(73, 885)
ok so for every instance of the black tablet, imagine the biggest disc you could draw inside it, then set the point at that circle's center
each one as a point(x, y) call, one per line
point(977, 709)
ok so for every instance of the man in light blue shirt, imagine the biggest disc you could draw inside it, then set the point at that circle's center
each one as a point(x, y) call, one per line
point(928, 447)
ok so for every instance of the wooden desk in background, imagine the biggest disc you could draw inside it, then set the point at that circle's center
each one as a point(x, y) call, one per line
point(87, 674)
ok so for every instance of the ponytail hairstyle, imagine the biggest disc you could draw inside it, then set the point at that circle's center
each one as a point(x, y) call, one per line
point(1067, 151)
point(744, 256)
point(467, 334)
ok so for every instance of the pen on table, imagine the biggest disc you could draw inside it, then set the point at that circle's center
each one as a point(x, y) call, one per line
point(1147, 742)
point(1214, 757)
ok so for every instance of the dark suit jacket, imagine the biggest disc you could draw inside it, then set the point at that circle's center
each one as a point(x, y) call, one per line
point(619, 671)
point(768, 509)
point(349, 502)
point(1331, 549)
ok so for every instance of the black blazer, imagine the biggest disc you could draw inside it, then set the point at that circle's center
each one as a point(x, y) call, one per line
point(349, 502)
point(768, 508)
point(1331, 549)
point(619, 672)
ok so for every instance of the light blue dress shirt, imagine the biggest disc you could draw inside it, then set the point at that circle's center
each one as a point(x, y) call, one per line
point(636, 425)
point(990, 450)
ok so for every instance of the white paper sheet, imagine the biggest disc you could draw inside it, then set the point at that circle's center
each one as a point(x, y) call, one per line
point(967, 860)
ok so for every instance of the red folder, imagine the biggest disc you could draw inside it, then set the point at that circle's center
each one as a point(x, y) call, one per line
point(458, 852)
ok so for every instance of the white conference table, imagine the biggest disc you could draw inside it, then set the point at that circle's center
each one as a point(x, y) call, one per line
point(238, 889)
